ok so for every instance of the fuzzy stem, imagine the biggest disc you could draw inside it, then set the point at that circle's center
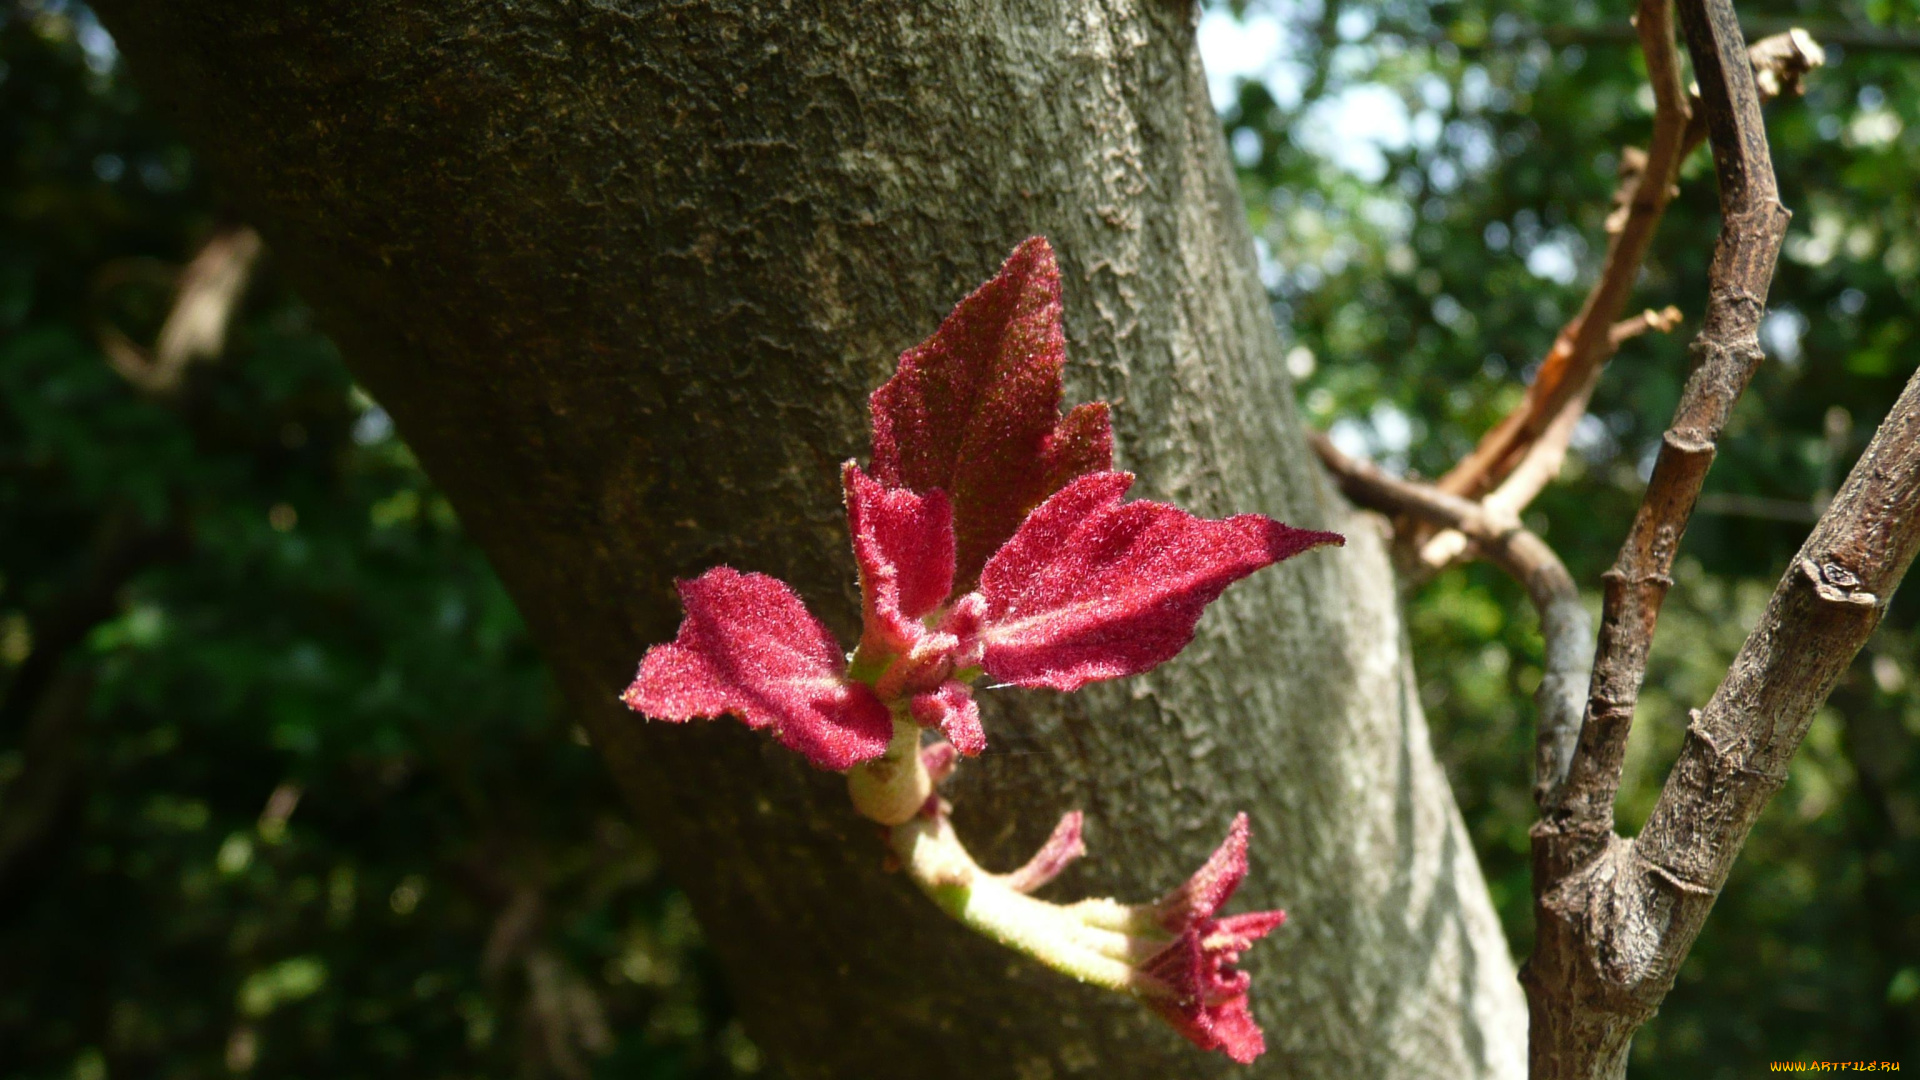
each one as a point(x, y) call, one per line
point(1102, 954)
point(893, 787)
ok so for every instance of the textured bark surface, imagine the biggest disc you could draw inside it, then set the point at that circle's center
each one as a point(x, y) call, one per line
point(624, 274)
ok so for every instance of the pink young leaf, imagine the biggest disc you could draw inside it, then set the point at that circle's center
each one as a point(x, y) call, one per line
point(975, 409)
point(1204, 996)
point(903, 542)
point(750, 647)
point(1082, 444)
point(939, 759)
point(1210, 886)
point(1091, 588)
point(1205, 999)
point(1059, 852)
point(950, 707)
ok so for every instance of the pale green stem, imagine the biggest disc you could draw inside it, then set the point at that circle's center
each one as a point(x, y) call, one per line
point(1094, 941)
point(1114, 915)
point(893, 787)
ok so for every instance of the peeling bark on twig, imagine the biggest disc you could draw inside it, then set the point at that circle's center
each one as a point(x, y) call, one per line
point(1781, 63)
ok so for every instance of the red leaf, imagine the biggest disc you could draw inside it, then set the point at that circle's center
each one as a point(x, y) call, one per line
point(1205, 997)
point(1082, 444)
point(951, 708)
point(904, 545)
point(939, 759)
point(975, 409)
point(1211, 885)
point(1091, 588)
point(750, 647)
point(1058, 853)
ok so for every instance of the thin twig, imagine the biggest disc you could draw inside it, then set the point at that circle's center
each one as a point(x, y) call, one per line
point(1564, 626)
point(1530, 445)
point(1780, 66)
point(205, 295)
point(1727, 351)
point(1586, 342)
point(1853, 37)
point(1664, 321)
point(1541, 463)
point(1604, 954)
point(1516, 36)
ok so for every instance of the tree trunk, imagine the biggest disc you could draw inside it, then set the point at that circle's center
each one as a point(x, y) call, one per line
point(624, 273)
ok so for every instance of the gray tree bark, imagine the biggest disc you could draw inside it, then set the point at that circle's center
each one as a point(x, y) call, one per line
point(623, 273)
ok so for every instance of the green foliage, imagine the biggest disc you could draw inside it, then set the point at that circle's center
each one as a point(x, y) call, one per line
point(284, 790)
point(1421, 283)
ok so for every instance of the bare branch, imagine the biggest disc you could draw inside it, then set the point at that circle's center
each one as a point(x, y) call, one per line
point(1821, 614)
point(1616, 928)
point(1542, 461)
point(1615, 918)
point(208, 290)
point(1516, 35)
point(1664, 321)
point(1727, 351)
point(1586, 342)
point(1529, 446)
point(1607, 942)
point(1564, 626)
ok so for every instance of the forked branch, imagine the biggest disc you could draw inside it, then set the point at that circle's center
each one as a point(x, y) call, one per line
point(1524, 453)
point(1614, 930)
point(1726, 354)
point(1615, 917)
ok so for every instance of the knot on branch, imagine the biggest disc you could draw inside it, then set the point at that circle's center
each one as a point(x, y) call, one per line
point(1618, 925)
point(1673, 879)
point(1689, 442)
point(1836, 584)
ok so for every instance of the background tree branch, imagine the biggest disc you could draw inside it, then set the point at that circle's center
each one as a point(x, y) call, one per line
point(1614, 917)
point(1568, 633)
point(1521, 455)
